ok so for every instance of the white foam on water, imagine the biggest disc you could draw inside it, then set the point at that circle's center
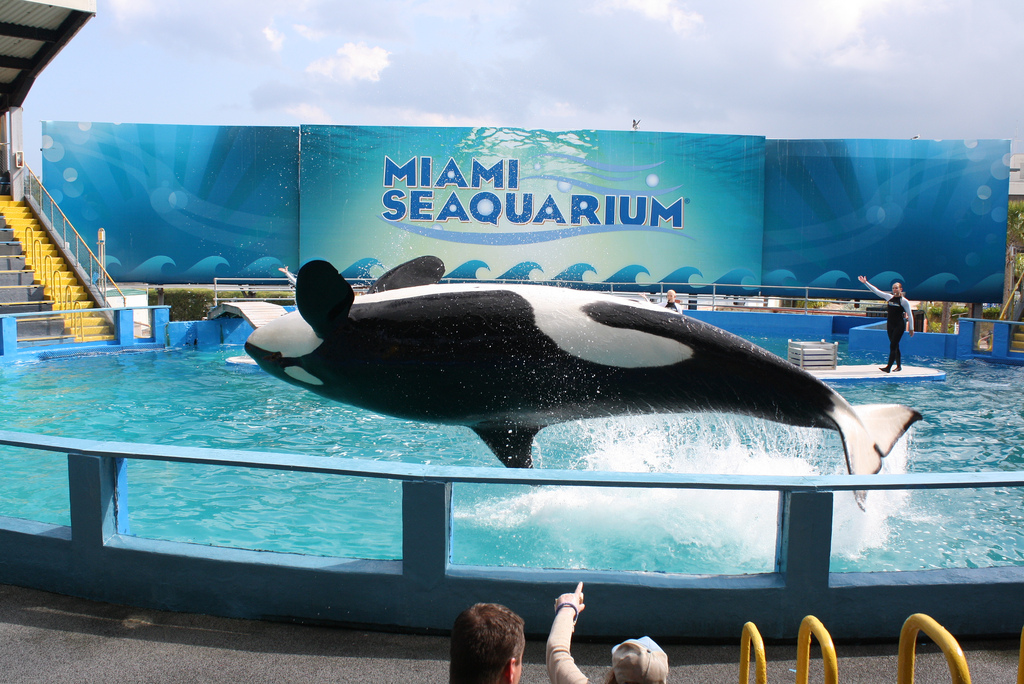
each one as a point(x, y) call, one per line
point(692, 531)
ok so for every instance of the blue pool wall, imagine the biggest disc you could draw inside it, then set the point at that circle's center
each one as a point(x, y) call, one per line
point(423, 590)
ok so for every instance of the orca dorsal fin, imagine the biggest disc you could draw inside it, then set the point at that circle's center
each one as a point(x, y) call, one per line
point(424, 270)
point(511, 443)
point(322, 296)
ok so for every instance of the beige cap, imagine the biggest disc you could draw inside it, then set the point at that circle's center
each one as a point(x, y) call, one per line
point(639, 661)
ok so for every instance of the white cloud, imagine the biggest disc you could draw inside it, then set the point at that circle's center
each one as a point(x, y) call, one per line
point(274, 37)
point(669, 12)
point(310, 34)
point(309, 114)
point(353, 62)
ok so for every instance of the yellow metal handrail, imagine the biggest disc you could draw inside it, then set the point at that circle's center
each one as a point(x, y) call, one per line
point(77, 317)
point(808, 626)
point(33, 184)
point(908, 643)
point(751, 636)
point(1009, 300)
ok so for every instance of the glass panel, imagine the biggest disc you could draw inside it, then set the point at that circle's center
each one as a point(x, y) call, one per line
point(983, 337)
point(929, 529)
point(35, 485)
point(307, 513)
point(599, 528)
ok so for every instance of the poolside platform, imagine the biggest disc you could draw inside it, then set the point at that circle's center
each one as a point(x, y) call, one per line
point(872, 373)
point(63, 639)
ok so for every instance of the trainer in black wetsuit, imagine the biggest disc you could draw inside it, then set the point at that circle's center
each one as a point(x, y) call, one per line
point(898, 318)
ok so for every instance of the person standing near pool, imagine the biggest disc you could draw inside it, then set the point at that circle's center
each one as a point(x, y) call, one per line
point(898, 318)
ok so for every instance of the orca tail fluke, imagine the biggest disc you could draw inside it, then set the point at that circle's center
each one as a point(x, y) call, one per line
point(512, 444)
point(869, 433)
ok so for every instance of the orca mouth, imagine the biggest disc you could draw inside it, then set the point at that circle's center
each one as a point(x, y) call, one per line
point(285, 367)
point(276, 359)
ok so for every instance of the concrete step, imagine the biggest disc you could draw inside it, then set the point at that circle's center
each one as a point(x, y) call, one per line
point(10, 248)
point(25, 307)
point(12, 263)
point(35, 328)
point(21, 293)
point(17, 277)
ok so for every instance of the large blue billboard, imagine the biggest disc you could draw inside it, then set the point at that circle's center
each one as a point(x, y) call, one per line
point(189, 203)
point(179, 204)
point(595, 206)
point(928, 213)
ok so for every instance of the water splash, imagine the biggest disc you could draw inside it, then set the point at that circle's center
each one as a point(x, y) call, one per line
point(686, 531)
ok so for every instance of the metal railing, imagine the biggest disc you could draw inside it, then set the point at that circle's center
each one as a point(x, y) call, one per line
point(244, 286)
point(72, 244)
point(424, 585)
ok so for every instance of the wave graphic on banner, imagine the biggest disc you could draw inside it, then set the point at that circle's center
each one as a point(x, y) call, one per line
point(528, 237)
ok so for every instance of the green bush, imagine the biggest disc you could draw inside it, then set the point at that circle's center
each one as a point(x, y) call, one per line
point(186, 304)
point(195, 304)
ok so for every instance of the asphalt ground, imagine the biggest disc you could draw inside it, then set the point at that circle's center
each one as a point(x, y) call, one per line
point(49, 638)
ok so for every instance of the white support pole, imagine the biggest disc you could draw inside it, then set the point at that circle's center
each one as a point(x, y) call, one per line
point(17, 155)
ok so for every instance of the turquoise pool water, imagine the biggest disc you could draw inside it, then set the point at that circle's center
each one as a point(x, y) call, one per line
point(973, 422)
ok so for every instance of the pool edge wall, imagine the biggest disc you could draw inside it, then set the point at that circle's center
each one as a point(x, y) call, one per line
point(424, 592)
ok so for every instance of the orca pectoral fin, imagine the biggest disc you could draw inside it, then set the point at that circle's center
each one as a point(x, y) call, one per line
point(512, 444)
point(322, 296)
point(425, 270)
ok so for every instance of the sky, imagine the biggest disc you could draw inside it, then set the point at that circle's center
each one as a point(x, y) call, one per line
point(939, 69)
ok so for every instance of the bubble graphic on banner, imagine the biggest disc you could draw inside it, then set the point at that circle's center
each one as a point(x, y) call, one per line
point(1001, 169)
point(564, 186)
point(536, 166)
point(972, 259)
point(70, 175)
point(52, 152)
point(485, 207)
point(74, 189)
point(84, 125)
point(653, 180)
point(984, 192)
point(584, 205)
point(437, 226)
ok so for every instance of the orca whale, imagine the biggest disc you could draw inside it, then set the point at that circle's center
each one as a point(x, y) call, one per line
point(508, 360)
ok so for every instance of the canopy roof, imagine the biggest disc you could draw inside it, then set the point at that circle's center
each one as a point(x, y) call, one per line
point(31, 35)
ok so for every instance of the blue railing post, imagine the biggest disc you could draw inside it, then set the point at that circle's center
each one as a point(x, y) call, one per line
point(125, 323)
point(1001, 336)
point(805, 540)
point(8, 336)
point(426, 531)
point(92, 489)
point(161, 317)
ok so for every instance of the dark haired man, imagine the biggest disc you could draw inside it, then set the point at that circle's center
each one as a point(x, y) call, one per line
point(487, 646)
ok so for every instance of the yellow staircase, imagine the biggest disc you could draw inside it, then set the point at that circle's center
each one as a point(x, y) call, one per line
point(1017, 341)
point(61, 286)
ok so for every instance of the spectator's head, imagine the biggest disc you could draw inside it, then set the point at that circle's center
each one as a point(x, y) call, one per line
point(487, 646)
point(671, 294)
point(638, 661)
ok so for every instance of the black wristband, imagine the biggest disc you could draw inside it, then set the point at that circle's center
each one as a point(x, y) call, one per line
point(575, 610)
